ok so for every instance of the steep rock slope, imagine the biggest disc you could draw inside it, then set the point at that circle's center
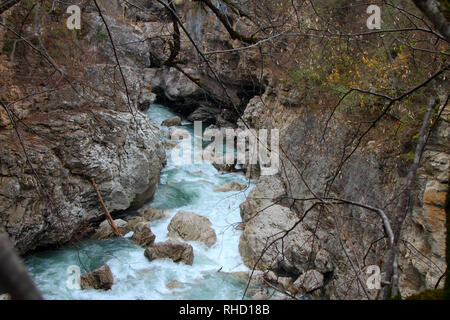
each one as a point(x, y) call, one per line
point(83, 129)
point(342, 238)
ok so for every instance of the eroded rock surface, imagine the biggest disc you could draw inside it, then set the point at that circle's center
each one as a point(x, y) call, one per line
point(190, 226)
point(172, 249)
point(317, 248)
point(151, 214)
point(105, 230)
point(143, 235)
point(99, 279)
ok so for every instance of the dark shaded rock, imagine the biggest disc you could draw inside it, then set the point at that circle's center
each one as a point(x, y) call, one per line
point(105, 230)
point(308, 281)
point(171, 122)
point(152, 214)
point(175, 250)
point(143, 235)
point(133, 221)
point(205, 114)
point(99, 279)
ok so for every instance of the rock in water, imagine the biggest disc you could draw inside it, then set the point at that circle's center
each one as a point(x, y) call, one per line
point(220, 162)
point(146, 98)
point(100, 278)
point(143, 235)
point(171, 122)
point(169, 145)
point(105, 231)
point(231, 186)
point(133, 221)
point(172, 249)
point(190, 226)
point(173, 284)
point(152, 214)
point(308, 281)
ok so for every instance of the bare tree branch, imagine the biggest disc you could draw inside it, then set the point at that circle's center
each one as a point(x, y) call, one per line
point(14, 278)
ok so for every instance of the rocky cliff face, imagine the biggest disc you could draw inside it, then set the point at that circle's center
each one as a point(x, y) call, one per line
point(69, 148)
point(79, 131)
point(196, 92)
point(340, 239)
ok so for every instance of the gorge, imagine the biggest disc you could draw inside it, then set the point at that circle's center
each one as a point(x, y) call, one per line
point(352, 108)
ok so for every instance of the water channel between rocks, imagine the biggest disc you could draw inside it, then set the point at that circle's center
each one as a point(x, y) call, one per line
point(187, 187)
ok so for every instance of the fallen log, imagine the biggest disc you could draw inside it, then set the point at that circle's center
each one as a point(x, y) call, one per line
point(105, 208)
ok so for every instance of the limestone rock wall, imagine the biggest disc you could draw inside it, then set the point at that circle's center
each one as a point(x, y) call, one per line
point(326, 239)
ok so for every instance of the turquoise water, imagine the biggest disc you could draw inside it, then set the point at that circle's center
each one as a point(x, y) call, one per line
point(186, 187)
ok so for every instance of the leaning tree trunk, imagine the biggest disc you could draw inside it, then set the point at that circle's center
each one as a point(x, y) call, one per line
point(14, 278)
point(404, 206)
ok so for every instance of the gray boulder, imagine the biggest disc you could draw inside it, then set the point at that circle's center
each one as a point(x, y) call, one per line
point(143, 235)
point(100, 278)
point(105, 231)
point(171, 122)
point(308, 281)
point(152, 214)
point(172, 249)
point(192, 227)
point(267, 227)
point(222, 166)
point(169, 144)
point(101, 143)
point(133, 221)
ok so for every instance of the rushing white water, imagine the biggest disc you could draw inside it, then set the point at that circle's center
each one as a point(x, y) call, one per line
point(182, 187)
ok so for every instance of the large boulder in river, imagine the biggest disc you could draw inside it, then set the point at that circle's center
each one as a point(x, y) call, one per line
point(171, 122)
point(265, 225)
point(231, 186)
point(100, 278)
point(190, 226)
point(172, 249)
point(143, 235)
point(100, 143)
point(221, 166)
point(169, 144)
point(105, 230)
point(134, 220)
point(152, 214)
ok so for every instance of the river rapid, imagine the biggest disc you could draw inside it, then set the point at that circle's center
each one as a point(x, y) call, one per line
point(187, 187)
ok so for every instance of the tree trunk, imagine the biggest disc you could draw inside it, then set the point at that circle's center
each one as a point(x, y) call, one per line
point(405, 205)
point(14, 278)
